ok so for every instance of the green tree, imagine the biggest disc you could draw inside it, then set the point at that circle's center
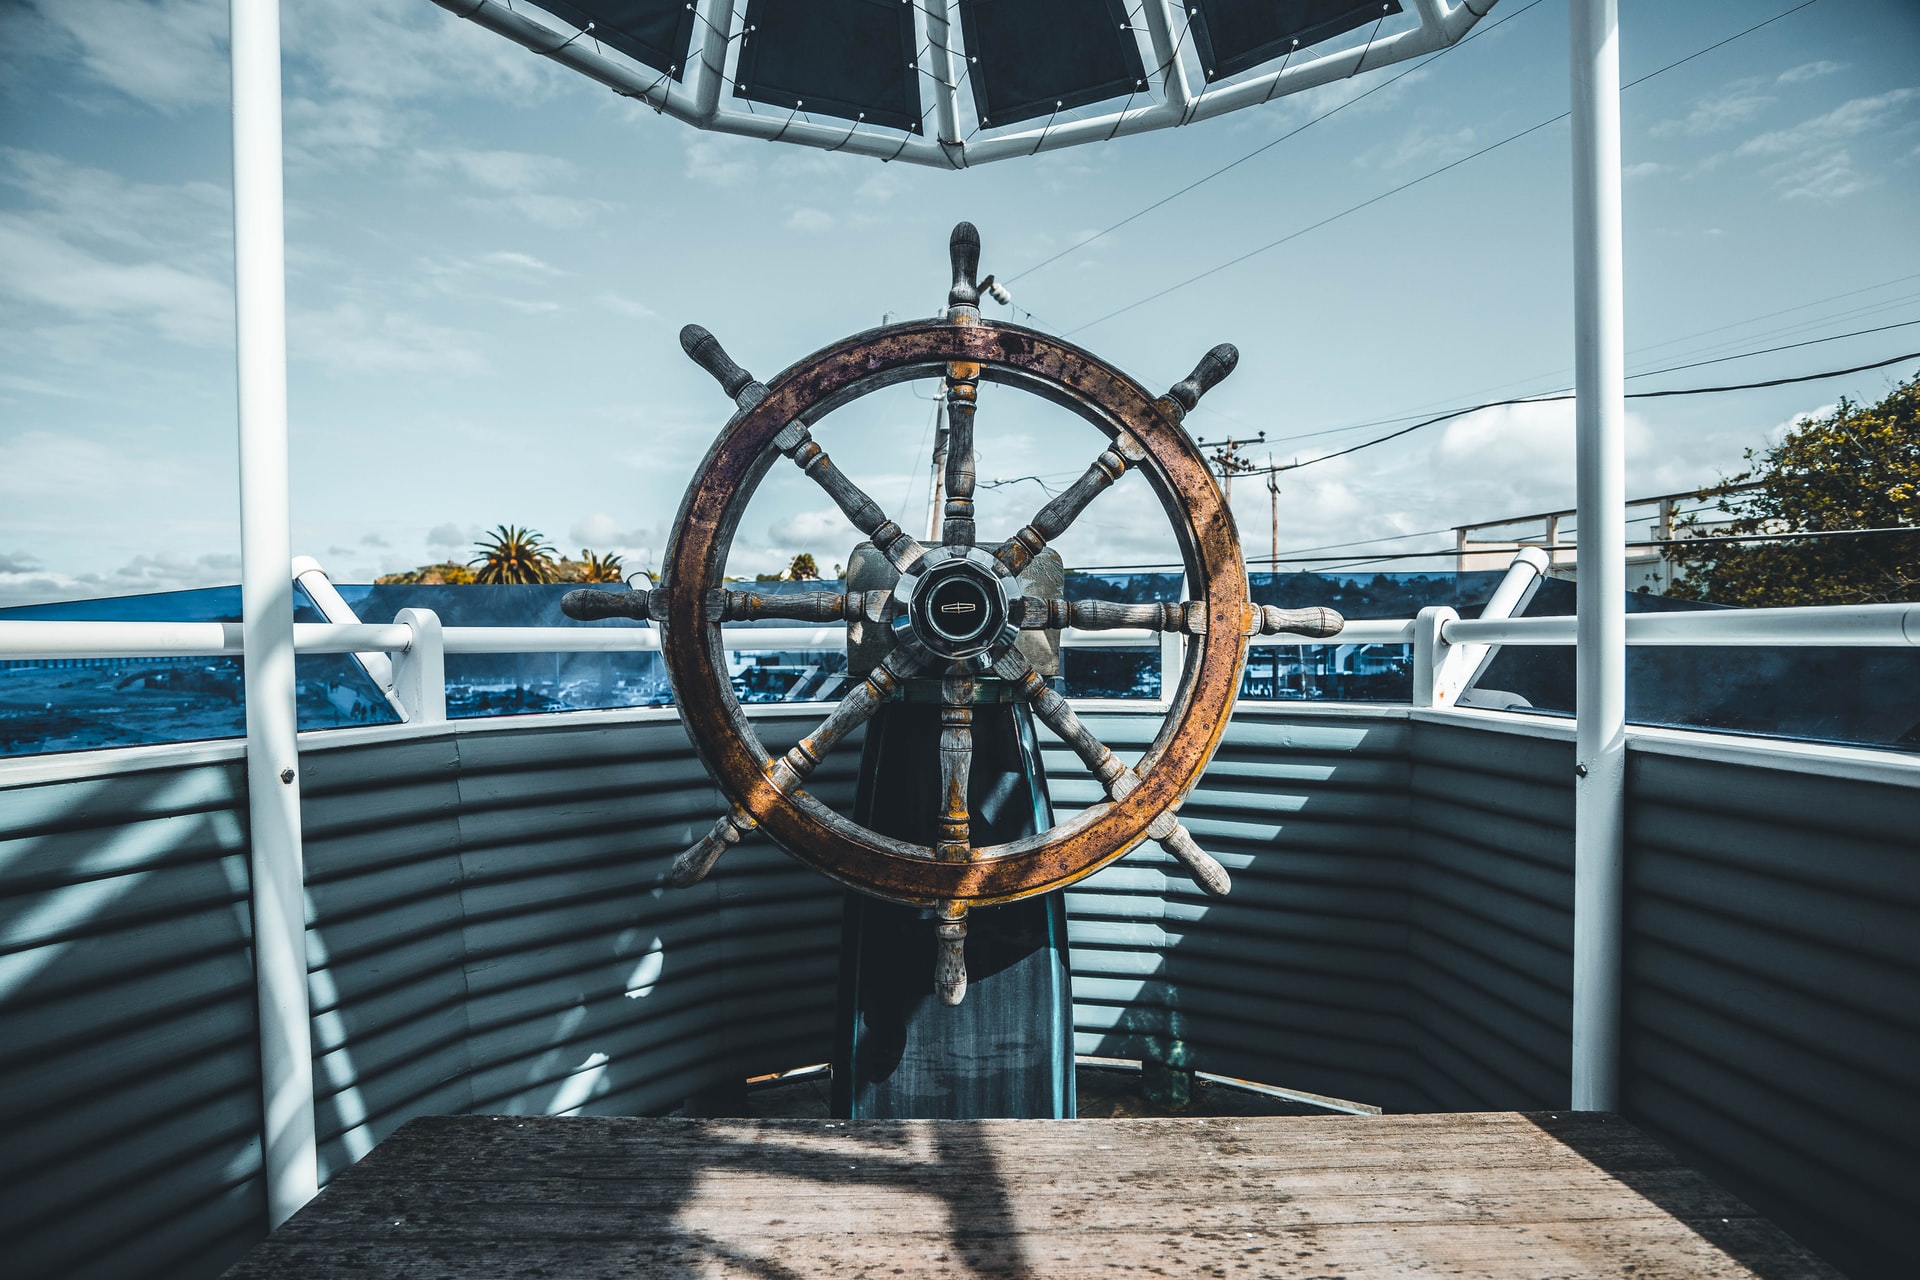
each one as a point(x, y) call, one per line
point(803, 569)
point(595, 567)
point(513, 555)
point(1856, 468)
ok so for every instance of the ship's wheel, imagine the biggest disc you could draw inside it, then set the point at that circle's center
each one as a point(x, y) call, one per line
point(955, 612)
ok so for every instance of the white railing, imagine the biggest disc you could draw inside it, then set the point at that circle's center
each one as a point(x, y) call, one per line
point(406, 657)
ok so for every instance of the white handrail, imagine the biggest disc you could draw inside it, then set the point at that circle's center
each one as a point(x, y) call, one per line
point(1858, 625)
point(1876, 625)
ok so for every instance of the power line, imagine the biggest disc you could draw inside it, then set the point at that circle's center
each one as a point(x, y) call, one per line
point(1414, 182)
point(1631, 395)
point(1654, 346)
point(1292, 133)
point(1348, 562)
point(1408, 417)
point(1767, 351)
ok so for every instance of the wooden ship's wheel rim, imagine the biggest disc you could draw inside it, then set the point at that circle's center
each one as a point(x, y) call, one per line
point(955, 612)
point(1198, 708)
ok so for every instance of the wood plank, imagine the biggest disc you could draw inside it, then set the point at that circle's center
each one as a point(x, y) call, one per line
point(1493, 1195)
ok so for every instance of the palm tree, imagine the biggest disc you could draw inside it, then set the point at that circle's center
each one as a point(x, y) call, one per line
point(601, 568)
point(513, 555)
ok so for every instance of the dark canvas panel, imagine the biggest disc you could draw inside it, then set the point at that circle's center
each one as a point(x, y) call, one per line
point(1232, 36)
point(1030, 58)
point(852, 59)
point(655, 33)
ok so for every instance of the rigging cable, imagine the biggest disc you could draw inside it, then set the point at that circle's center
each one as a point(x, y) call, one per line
point(1414, 182)
point(1631, 395)
point(1291, 133)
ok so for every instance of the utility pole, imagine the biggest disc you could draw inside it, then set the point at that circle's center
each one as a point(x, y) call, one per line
point(939, 471)
point(1226, 462)
point(1273, 495)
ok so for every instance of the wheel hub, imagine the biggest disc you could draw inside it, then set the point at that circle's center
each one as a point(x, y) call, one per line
point(957, 605)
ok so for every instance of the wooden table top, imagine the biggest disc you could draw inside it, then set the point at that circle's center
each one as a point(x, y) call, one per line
point(1497, 1195)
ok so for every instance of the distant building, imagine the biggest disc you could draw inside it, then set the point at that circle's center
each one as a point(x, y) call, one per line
point(1651, 523)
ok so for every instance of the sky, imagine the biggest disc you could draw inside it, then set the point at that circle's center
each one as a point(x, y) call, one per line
point(489, 259)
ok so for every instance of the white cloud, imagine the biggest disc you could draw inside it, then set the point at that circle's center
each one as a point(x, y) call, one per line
point(514, 260)
point(621, 305)
point(1811, 160)
point(640, 548)
point(1737, 104)
point(499, 170)
point(1420, 144)
point(810, 220)
point(168, 54)
point(806, 530)
point(1808, 71)
point(349, 336)
point(37, 267)
point(452, 535)
point(96, 247)
point(719, 160)
point(139, 576)
point(58, 465)
point(396, 50)
point(1643, 170)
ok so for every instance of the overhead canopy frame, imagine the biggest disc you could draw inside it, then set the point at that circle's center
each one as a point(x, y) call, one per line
point(955, 83)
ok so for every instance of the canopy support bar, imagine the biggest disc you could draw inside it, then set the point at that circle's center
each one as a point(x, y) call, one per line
point(266, 606)
point(1600, 707)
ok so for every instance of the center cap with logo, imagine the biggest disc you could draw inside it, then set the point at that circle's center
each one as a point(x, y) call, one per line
point(957, 604)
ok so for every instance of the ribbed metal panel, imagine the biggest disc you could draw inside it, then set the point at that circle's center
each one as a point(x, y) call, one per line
point(1490, 918)
point(129, 1060)
point(1773, 1029)
point(1297, 978)
point(491, 932)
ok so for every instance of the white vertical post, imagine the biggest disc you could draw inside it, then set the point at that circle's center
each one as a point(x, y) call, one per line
point(266, 595)
point(420, 672)
point(1600, 706)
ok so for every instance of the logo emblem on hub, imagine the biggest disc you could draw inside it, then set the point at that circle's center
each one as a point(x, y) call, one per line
point(962, 607)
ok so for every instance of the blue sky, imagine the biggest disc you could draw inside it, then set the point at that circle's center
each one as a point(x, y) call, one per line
point(489, 259)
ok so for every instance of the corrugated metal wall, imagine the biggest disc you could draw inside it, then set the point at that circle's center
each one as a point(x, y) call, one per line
point(1490, 918)
point(489, 932)
point(129, 1063)
point(1299, 977)
point(1772, 1003)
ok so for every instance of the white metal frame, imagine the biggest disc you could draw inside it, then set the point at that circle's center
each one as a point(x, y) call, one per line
point(1600, 664)
point(1170, 98)
point(268, 638)
point(275, 863)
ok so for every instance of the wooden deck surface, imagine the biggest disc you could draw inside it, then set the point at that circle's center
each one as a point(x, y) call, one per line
point(1499, 1195)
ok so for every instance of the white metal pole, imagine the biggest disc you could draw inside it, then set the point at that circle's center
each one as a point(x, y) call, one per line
point(1600, 706)
point(266, 603)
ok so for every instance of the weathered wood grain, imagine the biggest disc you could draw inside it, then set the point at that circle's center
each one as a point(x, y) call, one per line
point(1495, 1195)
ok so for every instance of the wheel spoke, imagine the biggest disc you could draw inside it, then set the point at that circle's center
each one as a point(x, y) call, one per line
point(1052, 520)
point(796, 441)
point(896, 544)
point(692, 866)
point(956, 763)
point(950, 957)
point(1037, 614)
point(1115, 777)
point(788, 771)
point(1319, 623)
point(797, 606)
point(963, 393)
